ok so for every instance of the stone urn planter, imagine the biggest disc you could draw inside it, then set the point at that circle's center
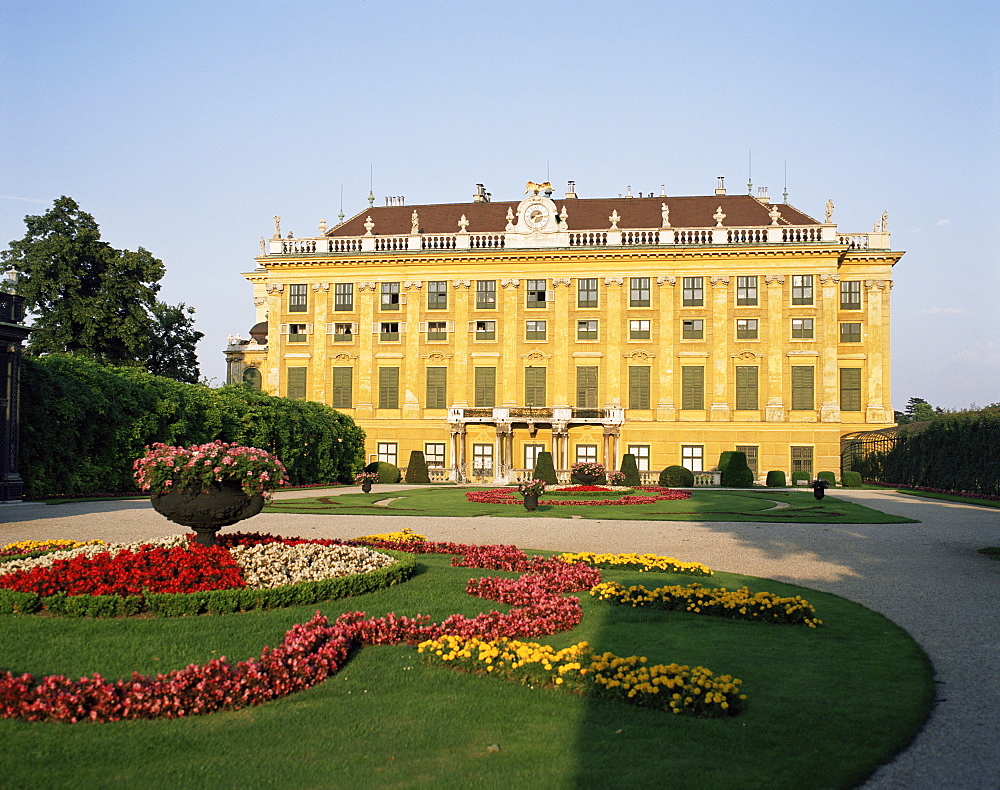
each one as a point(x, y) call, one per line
point(206, 512)
point(530, 501)
point(586, 479)
point(366, 486)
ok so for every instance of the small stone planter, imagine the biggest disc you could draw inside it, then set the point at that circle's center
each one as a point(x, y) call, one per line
point(585, 479)
point(206, 512)
point(530, 501)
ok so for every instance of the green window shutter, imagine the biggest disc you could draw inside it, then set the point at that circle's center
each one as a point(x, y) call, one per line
point(296, 383)
point(850, 389)
point(534, 386)
point(693, 387)
point(388, 388)
point(586, 388)
point(486, 380)
point(746, 387)
point(638, 387)
point(343, 381)
point(803, 397)
point(437, 394)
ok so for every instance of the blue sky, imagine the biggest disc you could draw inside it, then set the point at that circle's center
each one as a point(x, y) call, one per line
point(183, 127)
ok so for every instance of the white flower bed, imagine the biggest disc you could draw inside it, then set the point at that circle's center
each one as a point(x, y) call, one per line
point(265, 565)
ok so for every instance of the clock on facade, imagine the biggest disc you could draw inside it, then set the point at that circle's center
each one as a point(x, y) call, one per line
point(536, 215)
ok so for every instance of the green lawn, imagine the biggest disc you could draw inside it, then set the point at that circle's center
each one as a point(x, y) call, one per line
point(965, 500)
point(772, 505)
point(825, 705)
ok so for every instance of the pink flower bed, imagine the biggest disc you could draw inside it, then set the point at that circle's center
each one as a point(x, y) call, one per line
point(508, 496)
point(313, 651)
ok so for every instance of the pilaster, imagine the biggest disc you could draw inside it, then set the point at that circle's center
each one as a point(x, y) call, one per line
point(665, 328)
point(777, 331)
point(720, 324)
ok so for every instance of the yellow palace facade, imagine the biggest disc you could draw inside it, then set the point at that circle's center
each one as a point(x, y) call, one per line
point(672, 328)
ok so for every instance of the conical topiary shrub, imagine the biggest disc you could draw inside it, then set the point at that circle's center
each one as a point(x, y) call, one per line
point(416, 469)
point(737, 473)
point(544, 469)
point(631, 470)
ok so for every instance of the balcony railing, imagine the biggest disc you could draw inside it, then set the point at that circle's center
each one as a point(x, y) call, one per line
point(459, 414)
point(652, 237)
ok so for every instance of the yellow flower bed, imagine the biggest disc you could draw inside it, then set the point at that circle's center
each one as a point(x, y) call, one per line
point(405, 535)
point(640, 562)
point(677, 688)
point(28, 546)
point(738, 604)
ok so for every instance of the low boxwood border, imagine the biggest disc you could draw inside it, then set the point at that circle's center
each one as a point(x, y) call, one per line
point(239, 599)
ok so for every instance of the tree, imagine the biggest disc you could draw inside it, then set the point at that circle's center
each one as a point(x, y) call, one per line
point(86, 297)
point(170, 351)
point(917, 410)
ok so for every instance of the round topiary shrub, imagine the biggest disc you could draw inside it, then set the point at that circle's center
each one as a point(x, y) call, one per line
point(830, 477)
point(677, 477)
point(798, 477)
point(631, 470)
point(737, 473)
point(387, 473)
point(851, 479)
point(775, 479)
point(416, 469)
point(544, 469)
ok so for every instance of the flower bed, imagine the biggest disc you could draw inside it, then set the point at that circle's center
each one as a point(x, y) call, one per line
point(506, 496)
point(23, 547)
point(637, 562)
point(676, 688)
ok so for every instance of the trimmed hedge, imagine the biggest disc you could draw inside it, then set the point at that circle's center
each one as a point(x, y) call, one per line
point(737, 472)
point(775, 479)
point(544, 468)
point(416, 469)
point(387, 473)
point(83, 424)
point(797, 476)
point(850, 479)
point(630, 468)
point(677, 477)
point(212, 601)
point(830, 477)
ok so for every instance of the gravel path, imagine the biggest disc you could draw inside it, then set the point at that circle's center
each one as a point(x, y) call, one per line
point(927, 577)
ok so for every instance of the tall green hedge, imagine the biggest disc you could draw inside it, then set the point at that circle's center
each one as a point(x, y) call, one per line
point(83, 424)
point(955, 452)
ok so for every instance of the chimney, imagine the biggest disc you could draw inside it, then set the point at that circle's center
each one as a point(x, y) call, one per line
point(481, 195)
point(762, 196)
point(571, 190)
point(720, 189)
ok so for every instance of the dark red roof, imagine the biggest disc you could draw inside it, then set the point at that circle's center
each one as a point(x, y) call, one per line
point(583, 214)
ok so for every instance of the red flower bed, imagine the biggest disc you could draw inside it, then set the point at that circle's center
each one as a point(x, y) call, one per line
point(507, 496)
point(181, 569)
point(310, 652)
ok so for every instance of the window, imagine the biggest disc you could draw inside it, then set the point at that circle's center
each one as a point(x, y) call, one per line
point(534, 386)
point(693, 329)
point(751, 454)
point(586, 387)
point(850, 295)
point(638, 330)
point(586, 292)
point(437, 330)
point(802, 289)
point(802, 328)
point(297, 333)
point(296, 386)
point(802, 460)
point(437, 295)
point(746, 328)
point(298, 298)
point(390, 296)
point(638, 292)
point(482, 459)
point(485, 385)
point(343, 296)
point(638, 387)
point(850, 333)
point(641, 453)
point(434, 455)
point(586, 453)
point(343, 386)
point(485, 330)
point(437, 389)
point(534, 330)
point(251, 377)
point(388, 388)
point(746, 290)
point(486, 294)
point(586, 330)
point(850, 389)
point(692, 387)
point(536, 293)
point(693, 457)
point(531, 452)
point(746, 387)
point(694, 291)
point(388, 330)
point(343, 333)
point(387, 453)
point(803, 398)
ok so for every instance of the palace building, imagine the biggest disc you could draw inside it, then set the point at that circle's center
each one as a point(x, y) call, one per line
point(672, 328)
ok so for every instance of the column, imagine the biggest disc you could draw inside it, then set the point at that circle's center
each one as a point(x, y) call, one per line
point(776, 334)
point(614, 368)
point(666, 331)
point(411, 372)
point(828, 334)
point(460, 378)
point(365, 374)
point(721, 363)
point(878, 374)
point(509, 324)
point(319, 372)
point(562, 375)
